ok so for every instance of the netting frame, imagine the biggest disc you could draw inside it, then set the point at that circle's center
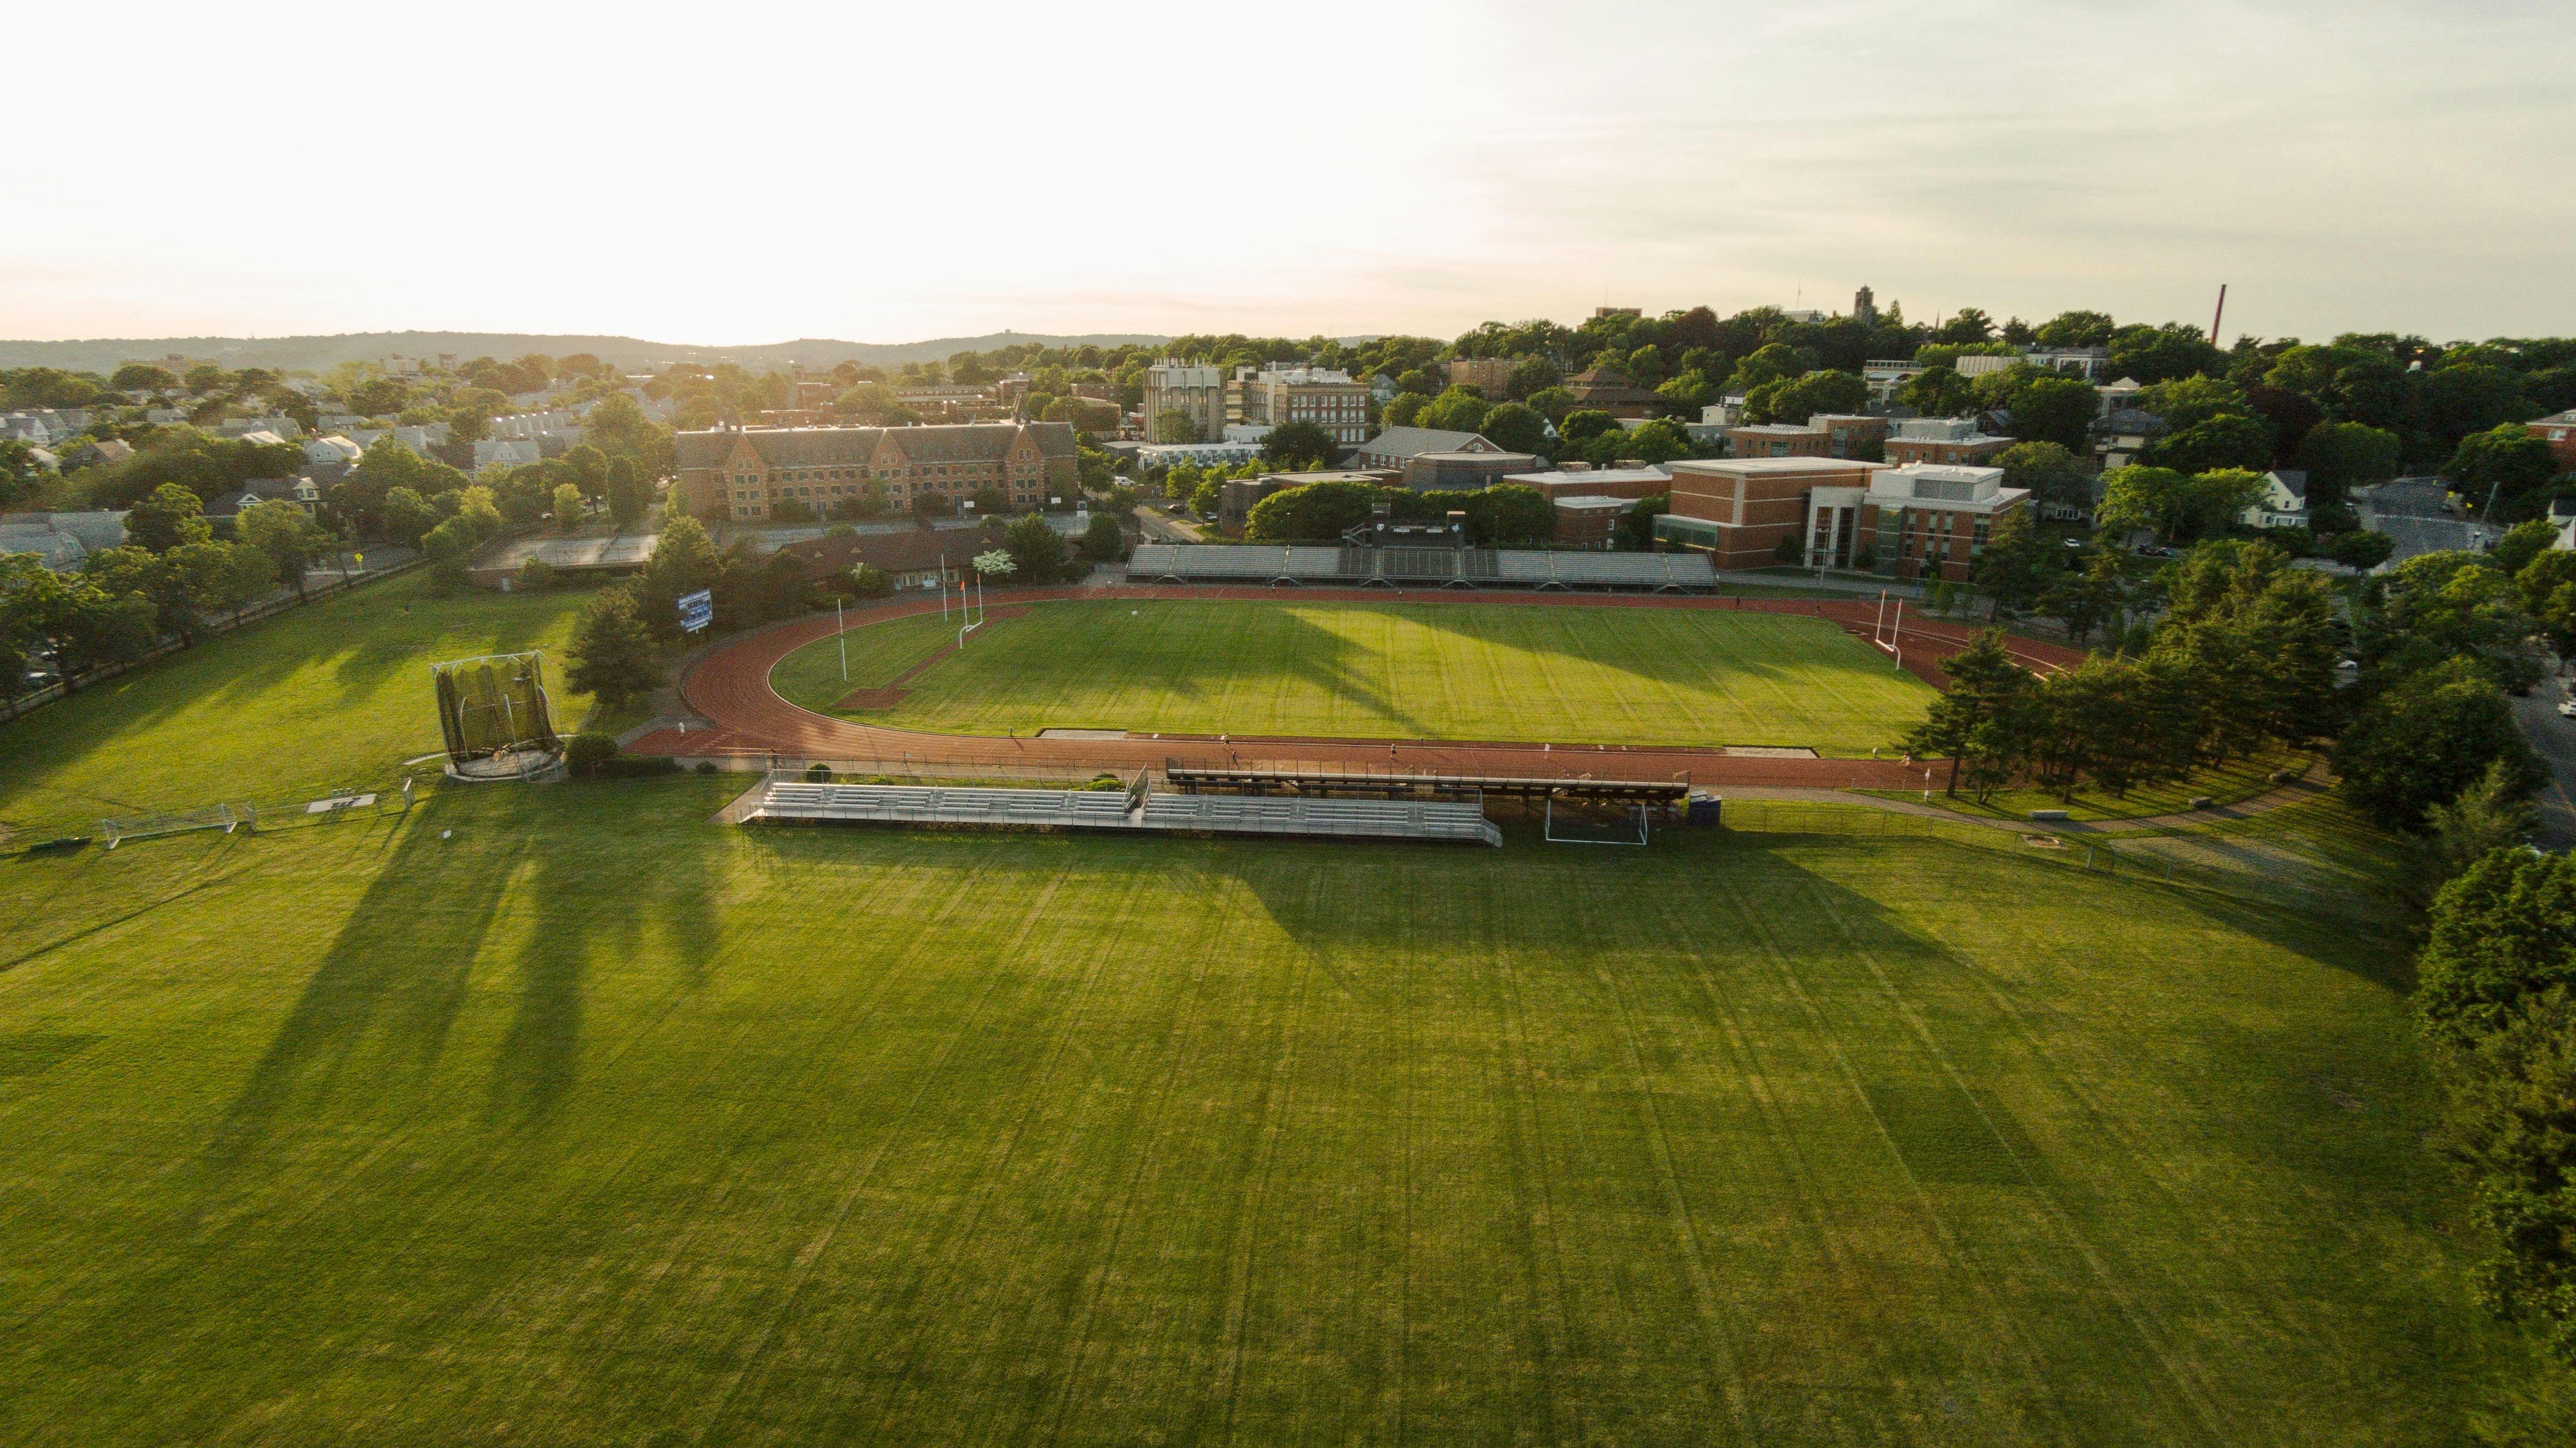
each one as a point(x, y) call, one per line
point(526, 726)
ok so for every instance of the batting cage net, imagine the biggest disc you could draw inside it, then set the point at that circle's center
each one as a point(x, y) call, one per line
point(494, 705)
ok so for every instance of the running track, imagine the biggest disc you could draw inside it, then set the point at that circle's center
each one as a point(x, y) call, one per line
point(729, 685)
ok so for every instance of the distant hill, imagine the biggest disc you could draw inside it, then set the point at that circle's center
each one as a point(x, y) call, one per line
point(319, 354)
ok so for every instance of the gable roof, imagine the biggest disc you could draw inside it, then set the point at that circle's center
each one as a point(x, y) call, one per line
point(913, 550)
point(2292, 480)
point(1405, 442)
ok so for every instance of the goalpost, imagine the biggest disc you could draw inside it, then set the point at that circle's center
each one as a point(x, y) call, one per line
point(1887, 632)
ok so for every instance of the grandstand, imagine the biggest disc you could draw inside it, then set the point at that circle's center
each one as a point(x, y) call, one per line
point(798, 801)
point(1321, 780)
point(1368, 567)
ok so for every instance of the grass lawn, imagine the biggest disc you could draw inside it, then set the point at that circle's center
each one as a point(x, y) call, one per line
point(336, 693)
point(1412, 671)
point(2228, 784)
point(598, 1122)
point(878, 655)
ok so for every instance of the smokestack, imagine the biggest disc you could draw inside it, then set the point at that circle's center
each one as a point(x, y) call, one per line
point(2221, 312)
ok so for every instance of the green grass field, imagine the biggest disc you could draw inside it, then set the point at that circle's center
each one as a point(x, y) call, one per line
point(1415, 671)
point(598, 1122)
point(320, 697)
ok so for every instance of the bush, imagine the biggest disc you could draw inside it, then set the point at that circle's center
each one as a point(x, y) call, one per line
point(585, 753)
point(818, 774)
point(706, 766)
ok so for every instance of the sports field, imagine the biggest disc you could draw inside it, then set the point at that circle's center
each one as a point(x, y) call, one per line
point(1410, 671)
point(320, 697)
point(597, 1122)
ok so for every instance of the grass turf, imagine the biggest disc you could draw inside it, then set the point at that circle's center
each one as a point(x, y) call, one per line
point(334, 694)
point(598, 1122)
point(1416, 671)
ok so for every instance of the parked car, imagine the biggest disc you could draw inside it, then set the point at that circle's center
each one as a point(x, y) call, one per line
point(2567, 708)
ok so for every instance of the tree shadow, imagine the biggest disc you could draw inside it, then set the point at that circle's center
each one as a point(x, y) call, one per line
point(388, 989)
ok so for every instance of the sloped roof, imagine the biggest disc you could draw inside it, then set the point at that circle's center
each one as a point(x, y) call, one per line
point(910, 551)
point(807, 447)
point(2129, 420)
point(2292, 481)
point(1405, 442)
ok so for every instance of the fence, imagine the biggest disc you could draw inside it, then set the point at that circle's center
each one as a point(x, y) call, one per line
point(229, 815)
point(269, 608)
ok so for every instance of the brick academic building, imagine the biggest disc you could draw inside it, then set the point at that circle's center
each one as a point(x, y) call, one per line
point(1922, 521)
point(737, 474)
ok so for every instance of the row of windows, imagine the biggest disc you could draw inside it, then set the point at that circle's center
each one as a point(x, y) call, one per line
point(925, 470)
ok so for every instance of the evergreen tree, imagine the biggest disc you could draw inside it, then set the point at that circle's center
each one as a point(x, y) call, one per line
point(1984, 682)
point(613, 654)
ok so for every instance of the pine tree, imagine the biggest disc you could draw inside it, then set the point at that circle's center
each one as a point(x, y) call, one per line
point(613, 654)
point(1983, 682)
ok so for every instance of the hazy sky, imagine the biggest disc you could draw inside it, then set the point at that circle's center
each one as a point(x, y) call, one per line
point(722, 175)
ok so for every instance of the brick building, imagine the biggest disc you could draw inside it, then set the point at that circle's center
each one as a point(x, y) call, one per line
point(1579, 481)
point(2559, 431)
point(1850, 434)
point(1742, 510)
point(1488, 375)
point(1916, 522)
point(1944, 440)
point(1272, 396)
point(1775, 440)
point(736, 474)
point(1440, 472)
point(1588, 521)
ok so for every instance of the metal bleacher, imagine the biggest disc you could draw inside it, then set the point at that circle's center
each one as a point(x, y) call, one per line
point(936, 806)
point(1448, 567)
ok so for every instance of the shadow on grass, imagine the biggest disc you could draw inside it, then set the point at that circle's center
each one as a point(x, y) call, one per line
point(386, 991)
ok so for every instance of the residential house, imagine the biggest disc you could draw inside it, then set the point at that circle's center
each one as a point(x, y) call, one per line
point(2120, 438)
point(303, 492)
point(506, 452)
point(102, 453)
point(61, 541)
point(2559, 431)
point(2283, 503)
point(333, 451)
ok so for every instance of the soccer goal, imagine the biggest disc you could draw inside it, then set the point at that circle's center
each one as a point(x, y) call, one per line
point(1568, 822)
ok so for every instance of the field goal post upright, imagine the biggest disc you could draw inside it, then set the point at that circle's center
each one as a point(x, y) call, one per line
point(495, 714)
point(1887, 632)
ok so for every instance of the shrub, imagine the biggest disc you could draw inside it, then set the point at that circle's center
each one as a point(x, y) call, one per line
point(585, 753)
point(818, 774)
point(706, 766)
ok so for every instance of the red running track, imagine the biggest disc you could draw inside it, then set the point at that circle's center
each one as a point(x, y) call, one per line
point(730, 685)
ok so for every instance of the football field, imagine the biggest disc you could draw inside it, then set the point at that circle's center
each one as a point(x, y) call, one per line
point(562, 1115)
point(1531, 673)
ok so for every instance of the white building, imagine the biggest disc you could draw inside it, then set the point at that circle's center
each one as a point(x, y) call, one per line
point(506, 452)
point(333, 451)
point(1203, 454)
point(1195, 392)
point(2283, 503)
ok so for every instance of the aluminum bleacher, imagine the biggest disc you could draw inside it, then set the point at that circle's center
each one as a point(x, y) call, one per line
point(801, 801)
point(1452, 567)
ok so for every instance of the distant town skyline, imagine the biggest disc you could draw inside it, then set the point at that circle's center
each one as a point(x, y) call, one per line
point(893, 176)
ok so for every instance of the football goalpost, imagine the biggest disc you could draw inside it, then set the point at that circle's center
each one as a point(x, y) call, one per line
point(1887, 630)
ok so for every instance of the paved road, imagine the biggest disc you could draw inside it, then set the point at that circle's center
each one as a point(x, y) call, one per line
point(1160, 529)
point(2555, 739)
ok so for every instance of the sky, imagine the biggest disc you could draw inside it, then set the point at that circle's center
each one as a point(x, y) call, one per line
point(886, 173)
